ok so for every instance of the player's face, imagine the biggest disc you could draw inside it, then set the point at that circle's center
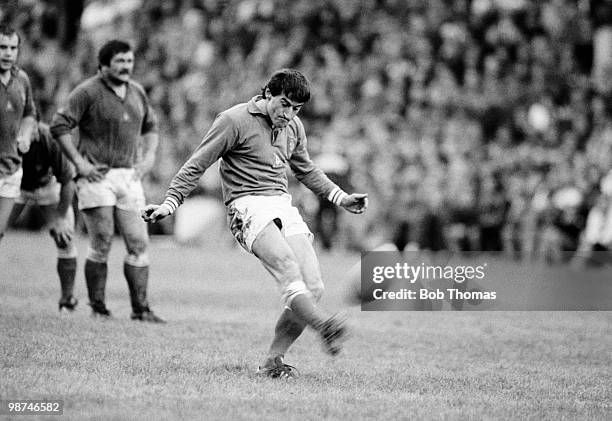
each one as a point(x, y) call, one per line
point(121, 67)
point(9, 47)
point(281, 109)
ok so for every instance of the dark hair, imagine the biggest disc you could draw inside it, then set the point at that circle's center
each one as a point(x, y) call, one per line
point(290, 82)
point(8, 31)
point(110, 49)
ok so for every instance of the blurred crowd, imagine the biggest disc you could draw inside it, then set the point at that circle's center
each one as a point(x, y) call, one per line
point(472, 124)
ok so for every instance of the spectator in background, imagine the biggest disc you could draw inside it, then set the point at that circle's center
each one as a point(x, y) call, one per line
point(535, 68)
point(596, 241)
point(493, 209)
point(336, 167)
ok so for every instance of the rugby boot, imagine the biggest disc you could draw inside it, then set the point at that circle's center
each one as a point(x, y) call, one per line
point(100, 310)
point(69, 303)
point(147, 316)
point(276, 369)
point(334, 332)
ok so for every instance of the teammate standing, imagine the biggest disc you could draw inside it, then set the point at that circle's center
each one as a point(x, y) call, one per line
point(17, 121)
point(118, 140)
point(256, 141)
point(48, 183)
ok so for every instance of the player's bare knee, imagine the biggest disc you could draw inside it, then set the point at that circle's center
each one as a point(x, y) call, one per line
point(138, 260)
point(292, 290)
point(97, 255)
point(99, 248)
point(101, 242)
point(67, 252)
point(137, 248)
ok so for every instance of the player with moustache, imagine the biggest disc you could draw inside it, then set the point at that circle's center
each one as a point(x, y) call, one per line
point(118, 137)
point(256, 142)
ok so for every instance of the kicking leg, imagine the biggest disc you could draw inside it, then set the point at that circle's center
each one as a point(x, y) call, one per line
point(333, 330)
point(278, 257)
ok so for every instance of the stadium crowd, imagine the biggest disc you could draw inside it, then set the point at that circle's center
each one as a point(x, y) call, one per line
point(472, 124)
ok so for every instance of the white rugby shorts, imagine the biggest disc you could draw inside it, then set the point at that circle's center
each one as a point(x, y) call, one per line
point(10, 185)
point(42, 196)
point(249, 215)
point(120, 187)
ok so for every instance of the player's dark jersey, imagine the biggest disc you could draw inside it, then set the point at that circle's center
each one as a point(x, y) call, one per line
point(43, 161)
point(15, 103)
point(109, 127)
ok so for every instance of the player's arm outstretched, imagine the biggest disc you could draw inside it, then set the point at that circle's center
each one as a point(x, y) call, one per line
point(318, 182)
point(217, 141)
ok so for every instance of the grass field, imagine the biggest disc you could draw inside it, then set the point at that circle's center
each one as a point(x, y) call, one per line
point(221, 307)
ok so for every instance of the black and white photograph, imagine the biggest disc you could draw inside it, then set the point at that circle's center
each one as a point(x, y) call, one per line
point(306, 209)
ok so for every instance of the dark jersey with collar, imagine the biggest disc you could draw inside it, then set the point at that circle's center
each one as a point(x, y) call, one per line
point(109, 127)
point(16, 103)
point(43, 161)
point(254, 157)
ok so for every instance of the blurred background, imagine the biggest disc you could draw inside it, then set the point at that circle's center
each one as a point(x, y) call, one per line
point(474, 125)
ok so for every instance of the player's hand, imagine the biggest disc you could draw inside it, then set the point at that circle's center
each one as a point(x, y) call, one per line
point(89, 171)
point(154, 213)
point(355, 203)
point(61, 232)
point(23, 144)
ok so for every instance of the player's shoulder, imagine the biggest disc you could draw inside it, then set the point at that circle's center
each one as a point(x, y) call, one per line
point(238, 110)
point(21, 74)
point(234, 115)
point(86, 86)
point(137, 87)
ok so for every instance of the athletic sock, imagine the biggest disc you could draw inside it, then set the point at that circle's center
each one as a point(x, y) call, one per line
point(137, 278)
point(66, 270)
point(287, 330)
point(304, 308)
point(95, 277)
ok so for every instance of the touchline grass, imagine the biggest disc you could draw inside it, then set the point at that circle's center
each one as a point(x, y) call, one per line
point(221, 306)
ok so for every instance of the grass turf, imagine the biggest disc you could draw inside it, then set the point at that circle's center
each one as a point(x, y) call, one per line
point(221, 306)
